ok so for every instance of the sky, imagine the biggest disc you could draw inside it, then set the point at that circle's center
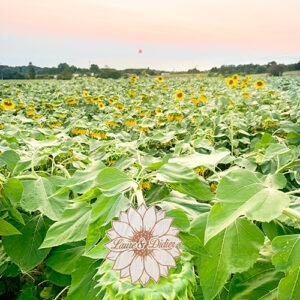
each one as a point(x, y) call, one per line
point(172, 34)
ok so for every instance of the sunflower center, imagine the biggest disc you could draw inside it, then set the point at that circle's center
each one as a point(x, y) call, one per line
point(259, 83)
point(179, 95)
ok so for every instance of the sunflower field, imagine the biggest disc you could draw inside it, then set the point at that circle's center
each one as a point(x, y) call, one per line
point(220, 155)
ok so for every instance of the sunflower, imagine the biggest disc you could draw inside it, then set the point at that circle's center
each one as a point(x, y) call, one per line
point(133, 77)
point(194, 100)
point(35, 117)
point(130, 122)
point(85, 94)
point(198, 75)
point(30, 112)
point(259, 84)
point(158, 110)
point(230, 82)
point(131, 93)
point(160, 79)
point(71, 101)
point(101, 105)
point(235, 77)
point(95, 99)
point(7, 104)
point(179, 95)
point(111, 100)
point(203, 98)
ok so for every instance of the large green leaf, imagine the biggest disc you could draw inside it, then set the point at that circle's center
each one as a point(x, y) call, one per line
point(112, 181)
point(287, 259)
point(83, 282)
point(174, 172)
point(24, 249)
point(82, 181)
point(259, 282)
point(235, 249)
point(7, 228)
point(37, 196)
point(209, 160)
point(242, 192)
point(289, 286)
point(13, 190)
point(287, 252)
point(63, 258)
point(10, 158)
point(189, 205)
point(71, 227)
point(106, 208)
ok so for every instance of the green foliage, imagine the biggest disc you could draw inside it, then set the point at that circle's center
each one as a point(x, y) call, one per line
point(228, 172)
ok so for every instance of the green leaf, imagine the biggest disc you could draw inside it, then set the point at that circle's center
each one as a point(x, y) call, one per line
point(106, 208)
point(13, 190)
point(24, 249)
point(10, 158)
point(189, 205)
point(180, 218)
point(63, 259)
point(82, 181)
point(242, 192)
point(83, 282)
point(36, 196)
point(57, 278)
point(209, 160)
point(196, 188)
point(274, 150)
point(99, 251)
point(173, 172)
point(235, 249)
point(289, 286)
point(7, 229)
point(112, 181)
point(71, 227)
point(259, 282)
point(287, 252)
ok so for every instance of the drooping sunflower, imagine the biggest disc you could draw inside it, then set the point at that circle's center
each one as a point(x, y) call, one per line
point(7, 104)
point(160, 79)
point(179, 95)
point(259, 84)
point(101, 105)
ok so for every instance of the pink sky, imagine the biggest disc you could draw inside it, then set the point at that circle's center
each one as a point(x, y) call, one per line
point(257, 24)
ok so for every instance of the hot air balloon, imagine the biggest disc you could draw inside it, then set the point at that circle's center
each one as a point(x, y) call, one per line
point(140, 51)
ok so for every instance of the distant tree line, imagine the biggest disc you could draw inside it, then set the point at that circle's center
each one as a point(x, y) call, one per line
point(65, 71)
point(271, 68)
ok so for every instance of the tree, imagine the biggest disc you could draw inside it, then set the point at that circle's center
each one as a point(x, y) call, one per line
point(31, 71)
point(275, 70)
point(94, 69)
point(65, 75)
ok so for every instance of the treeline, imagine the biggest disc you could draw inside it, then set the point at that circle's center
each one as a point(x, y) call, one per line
point(64, 71)
point(271, 68)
